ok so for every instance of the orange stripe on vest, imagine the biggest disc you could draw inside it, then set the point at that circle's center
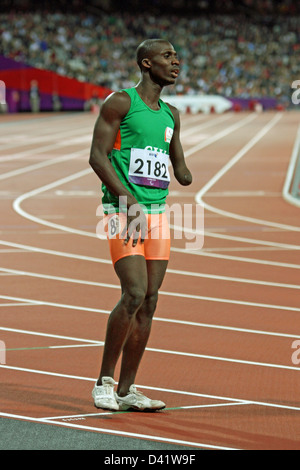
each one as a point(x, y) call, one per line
point(117, 144)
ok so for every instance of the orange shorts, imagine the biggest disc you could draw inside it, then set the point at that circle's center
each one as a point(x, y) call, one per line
point(157, 240)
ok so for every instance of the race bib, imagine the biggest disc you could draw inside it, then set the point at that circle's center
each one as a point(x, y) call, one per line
point(149, 168)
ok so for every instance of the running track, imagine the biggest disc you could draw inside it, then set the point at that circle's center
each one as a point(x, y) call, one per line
point(220, 353)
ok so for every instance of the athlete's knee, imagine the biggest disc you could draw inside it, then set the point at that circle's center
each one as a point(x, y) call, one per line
point(133, 299)
point(149, 305)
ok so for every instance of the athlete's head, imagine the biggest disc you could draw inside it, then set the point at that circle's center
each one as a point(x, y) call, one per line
point(158, 58)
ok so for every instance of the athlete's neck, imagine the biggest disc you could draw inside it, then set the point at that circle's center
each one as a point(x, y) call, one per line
point(150, 93)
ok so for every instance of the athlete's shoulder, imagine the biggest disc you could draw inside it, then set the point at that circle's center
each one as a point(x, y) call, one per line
point(117, 101)
point(174, 111)
point(172, 108)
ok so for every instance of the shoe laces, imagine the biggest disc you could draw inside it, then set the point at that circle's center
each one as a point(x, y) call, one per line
point(107, 389)
point(134, 390)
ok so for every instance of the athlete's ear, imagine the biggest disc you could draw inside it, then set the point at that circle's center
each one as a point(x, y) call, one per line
point(146, 63)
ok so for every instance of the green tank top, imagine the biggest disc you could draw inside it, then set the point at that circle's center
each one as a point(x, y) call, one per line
point(140, 155)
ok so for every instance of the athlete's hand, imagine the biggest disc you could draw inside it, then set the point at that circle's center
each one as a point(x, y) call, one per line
point(136, 225)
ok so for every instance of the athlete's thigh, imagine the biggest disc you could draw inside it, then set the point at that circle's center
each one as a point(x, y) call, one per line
point(133, 275)
point(156, 270)
point(114, 225)
point(157, 243)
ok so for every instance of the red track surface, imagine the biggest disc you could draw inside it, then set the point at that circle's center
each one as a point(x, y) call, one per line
point(227, 316)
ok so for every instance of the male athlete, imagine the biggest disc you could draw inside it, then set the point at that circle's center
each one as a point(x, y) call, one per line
point(134, 136)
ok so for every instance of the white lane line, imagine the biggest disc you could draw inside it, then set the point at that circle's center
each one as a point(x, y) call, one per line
point(55, 304)
point(214, 405)
point(118, 433)
point(290, 173)
point(68, 346)
point(17, 250)
point(20, 211)
point(233, 279)
point(251, 249)
point(17, 205)
point(71, 417)
point(252, 241)
point(227, 167)
point(49, 335)
point(166, 293)
point(236, 258)
point(40, 221)
point(224, 359)
point(228, 328)
point(25, 248)
point(239, 194)
point(231, 301)
point(15, 272)
point(159, 389)
point(219, 135)
point(187, 121)
point(177, 408)
point(62, 346)
point(36, 249)
point(44, 148)
point(174, 353)
point(63, 254)
point(18, 304)
point(156, 318)
point(37, 166)
point(198, 127)
point(29, 124)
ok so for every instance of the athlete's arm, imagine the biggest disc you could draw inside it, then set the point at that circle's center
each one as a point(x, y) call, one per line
point(181, 171)
point(113, 110)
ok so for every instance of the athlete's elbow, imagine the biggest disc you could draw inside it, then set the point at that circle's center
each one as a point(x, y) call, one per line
point(96, 162)
point(96, 158)
point(93, 164)
point(92, 155)
point(92, 160)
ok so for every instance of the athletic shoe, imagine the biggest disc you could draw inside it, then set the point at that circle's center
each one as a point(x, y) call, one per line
point(135, 400)
point(104, 396)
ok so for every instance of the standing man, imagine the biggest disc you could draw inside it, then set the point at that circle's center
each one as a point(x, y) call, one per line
point(134, 136)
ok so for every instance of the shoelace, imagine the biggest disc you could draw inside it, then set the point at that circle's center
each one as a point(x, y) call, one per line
point(108, 389)
point(136, 392)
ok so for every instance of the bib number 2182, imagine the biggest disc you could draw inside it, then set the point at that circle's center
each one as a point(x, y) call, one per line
point(149, 168)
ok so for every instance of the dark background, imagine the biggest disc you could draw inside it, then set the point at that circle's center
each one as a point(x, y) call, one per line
point(247, 7)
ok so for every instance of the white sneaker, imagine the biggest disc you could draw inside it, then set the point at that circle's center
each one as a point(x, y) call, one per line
point(104, 396)
point(137, 401)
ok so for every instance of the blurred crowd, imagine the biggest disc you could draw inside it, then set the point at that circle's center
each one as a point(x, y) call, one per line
point(229, 55)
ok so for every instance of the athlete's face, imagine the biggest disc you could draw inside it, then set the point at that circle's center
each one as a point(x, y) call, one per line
point(164, 64)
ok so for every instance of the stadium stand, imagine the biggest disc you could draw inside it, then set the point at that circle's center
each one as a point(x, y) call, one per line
point(248, 52)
